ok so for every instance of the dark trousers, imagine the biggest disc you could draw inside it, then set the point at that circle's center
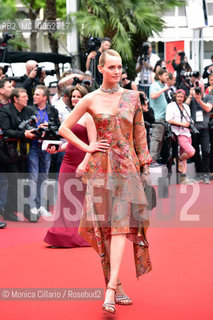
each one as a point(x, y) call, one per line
point(14, 171)
point(201, 161)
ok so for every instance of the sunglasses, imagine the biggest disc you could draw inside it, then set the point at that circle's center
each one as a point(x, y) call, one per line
point(124, 79)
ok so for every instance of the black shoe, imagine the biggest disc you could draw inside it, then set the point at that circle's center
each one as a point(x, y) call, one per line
point(206, 179)
point(11, 217)
point(2, 225)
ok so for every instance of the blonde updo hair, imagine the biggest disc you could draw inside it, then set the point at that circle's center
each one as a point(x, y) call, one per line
point(109, 52)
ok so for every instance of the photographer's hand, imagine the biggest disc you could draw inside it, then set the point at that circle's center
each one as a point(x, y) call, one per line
point(33, 73)
point(29, 134)
point(147, 65)
point(210, 69)
point(43, 125)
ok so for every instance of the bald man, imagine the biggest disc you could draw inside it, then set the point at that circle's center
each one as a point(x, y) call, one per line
point(30, 80)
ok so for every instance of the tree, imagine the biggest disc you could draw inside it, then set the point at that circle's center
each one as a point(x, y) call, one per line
point(127, 22)
point(53, 9)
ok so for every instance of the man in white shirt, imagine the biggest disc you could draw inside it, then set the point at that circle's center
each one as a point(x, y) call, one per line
point(145, 65)
point(63, 105)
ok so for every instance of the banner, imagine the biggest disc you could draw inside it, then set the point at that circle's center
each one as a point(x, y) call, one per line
point(172, 47)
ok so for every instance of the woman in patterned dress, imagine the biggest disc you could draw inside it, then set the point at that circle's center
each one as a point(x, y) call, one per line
point(115, 204)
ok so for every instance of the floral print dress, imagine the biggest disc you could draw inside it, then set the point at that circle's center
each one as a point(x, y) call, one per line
point(115, 202)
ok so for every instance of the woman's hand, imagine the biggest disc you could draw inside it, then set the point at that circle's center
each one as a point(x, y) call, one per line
point(52, 150)
point(100, 145)
point(80, 169)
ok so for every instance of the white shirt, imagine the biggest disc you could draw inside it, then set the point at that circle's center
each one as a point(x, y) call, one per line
point(63, 109)
point(146, 74)
point(173, 113)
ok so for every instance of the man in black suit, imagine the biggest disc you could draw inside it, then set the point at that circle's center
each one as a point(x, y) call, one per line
point(11, 115)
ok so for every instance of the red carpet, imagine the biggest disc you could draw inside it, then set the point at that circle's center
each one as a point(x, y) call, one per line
point(179, 287)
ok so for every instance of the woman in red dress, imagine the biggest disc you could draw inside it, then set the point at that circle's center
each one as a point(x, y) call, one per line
point(71, 190)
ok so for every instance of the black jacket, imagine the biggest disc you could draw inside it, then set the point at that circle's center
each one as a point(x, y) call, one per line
point(10, 119)
point(28, 84)
point(52, 114)
point(206, 74)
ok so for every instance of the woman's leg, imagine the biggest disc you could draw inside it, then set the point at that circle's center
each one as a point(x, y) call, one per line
point(117, 247)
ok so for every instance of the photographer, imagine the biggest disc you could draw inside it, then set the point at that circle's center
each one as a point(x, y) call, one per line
point(179, 67)
point(178, 115)
point(172, 88)
point(93, 59)
point(77, 77)
point(38, 161)
point(33, 77)
point(158, 103)
point(208, 70)
point(16, 147)
point(5, 91)
point(200, 108)
point(145, 65)
point(189, 80)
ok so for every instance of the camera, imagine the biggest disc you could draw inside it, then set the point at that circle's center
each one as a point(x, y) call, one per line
point(28, 124)
point(145, 52)
point(6, 36)
point(189, 74)
point(84, 82)
point(48, 133)
point(93, 44)
point(48, 72)
point(197, 88)
point(193, 129)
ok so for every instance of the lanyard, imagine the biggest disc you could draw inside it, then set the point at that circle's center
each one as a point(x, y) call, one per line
point(40, 120)
point(182, 114)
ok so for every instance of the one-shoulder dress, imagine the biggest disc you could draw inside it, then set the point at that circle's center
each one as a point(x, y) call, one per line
point(115, 201)
point(71, 192)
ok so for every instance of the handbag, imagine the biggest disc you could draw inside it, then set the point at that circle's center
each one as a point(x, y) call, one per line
point(151, 196)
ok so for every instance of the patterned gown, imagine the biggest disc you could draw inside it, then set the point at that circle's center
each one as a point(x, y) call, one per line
point(115, 202)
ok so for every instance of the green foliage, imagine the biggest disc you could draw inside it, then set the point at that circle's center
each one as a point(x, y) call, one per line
point(61, 8)
point(34, 4)
point(126, 22)
point(8, 9)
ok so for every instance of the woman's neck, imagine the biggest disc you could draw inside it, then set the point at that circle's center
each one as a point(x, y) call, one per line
point(109, 85)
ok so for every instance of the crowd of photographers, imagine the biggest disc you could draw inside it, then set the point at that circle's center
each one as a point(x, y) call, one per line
point(170, 100)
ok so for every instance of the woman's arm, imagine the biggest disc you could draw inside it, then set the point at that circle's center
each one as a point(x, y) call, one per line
point(140, 141)
point(92, 137)
point(65, 129)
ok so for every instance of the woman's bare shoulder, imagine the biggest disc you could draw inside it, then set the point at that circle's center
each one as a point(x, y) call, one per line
point(90, 96)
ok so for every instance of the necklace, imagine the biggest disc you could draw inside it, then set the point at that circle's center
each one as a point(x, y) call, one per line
point(113, 90)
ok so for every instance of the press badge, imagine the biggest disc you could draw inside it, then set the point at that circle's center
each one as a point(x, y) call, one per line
point(199, 116)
